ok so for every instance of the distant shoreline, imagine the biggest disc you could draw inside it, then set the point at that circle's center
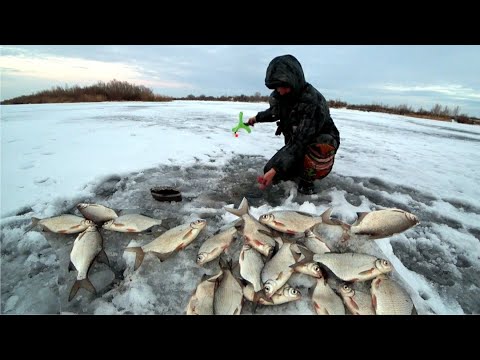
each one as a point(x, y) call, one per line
point(123, 91)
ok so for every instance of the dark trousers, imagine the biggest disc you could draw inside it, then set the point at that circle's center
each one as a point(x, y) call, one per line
point(317, 161)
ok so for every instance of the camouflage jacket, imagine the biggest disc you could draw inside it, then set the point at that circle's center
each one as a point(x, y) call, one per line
point(303, 113)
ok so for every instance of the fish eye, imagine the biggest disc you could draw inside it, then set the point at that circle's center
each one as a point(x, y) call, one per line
point(346, 287)
point(385, 262)
point(264, 216)
point(316, 268)
point(268, 288)
point(293, 291)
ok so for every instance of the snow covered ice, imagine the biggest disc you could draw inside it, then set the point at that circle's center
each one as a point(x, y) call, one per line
point(55, 156)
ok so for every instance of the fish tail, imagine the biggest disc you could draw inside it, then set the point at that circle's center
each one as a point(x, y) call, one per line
point(242, 208)
point(32, 225)
point(85, 283)
point(35, 221)
point(139, 255)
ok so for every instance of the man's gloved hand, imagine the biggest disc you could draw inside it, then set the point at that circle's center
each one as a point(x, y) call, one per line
point(252, 121)
point(279, 129)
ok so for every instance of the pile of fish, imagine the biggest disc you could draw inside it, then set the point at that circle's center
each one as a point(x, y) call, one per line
point(88, 245)
point(274, 247)
point(283, 242)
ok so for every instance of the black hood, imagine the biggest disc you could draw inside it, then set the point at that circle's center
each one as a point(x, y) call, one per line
point(285, 70)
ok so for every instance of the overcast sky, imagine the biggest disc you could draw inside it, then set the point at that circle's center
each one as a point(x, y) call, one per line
point(418, 76)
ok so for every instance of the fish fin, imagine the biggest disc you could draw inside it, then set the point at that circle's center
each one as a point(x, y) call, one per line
point(326, 215)
point(370, 234)
point(34, 223)
point(276, 233)
point(308, 257)
point(354, 304)
point(374, 302)
point(360, 216)
point(306, 252)
point(279, 241)
point(103, 258)
point(213, 278)
point(163, 257)
point(139, 255)
point(366, 272)
point(295, 253)
point(187, 234)
point(71, 267)
point(85, 283)
point(35, 220)
point(287, 239)
point(242, 208)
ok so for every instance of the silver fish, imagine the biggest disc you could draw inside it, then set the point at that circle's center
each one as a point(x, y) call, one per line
point(131, 223)
point(201, 302)
point(97, 213)
point(383, 223)
point(87, 246)
point(215, 245)
point(284, 295)
point(63, 224)
point(228, 298)
point(314, 243)
point(277, 271)
point(353, 266)
point(325, 301)
point(389, 298)
point(290, 221)
point(357, 302)
point(251, 265)
point(169, 242)
point(255, 234)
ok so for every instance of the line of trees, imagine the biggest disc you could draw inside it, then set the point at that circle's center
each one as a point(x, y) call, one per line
point(437, 112)
point(112, 91)
point(123, 91)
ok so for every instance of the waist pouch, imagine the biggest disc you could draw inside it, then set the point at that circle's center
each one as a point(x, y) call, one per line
point(318, 161)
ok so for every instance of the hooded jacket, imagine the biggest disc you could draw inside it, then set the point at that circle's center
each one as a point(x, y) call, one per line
point(303, 113)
